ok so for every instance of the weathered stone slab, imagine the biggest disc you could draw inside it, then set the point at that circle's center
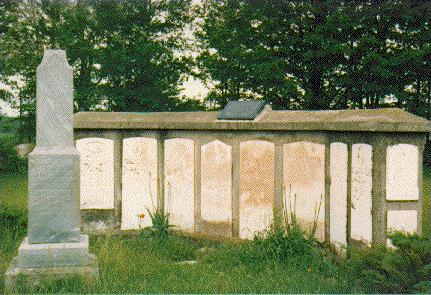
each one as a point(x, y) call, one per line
point(216, 168)
point(402, 164)
point(139, 181)
point(54, 100)
point(53, 254)
point(96, 220)
point(374, 120)
point(361, 193)
point(338, 194)
point(304, 180)
point(256, 187)
point(179, 173)
point(97, 173)
point(27, 280)
point(53, 196)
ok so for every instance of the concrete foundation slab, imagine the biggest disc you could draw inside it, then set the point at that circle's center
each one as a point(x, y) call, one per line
point(25, 280)
point(53, 254)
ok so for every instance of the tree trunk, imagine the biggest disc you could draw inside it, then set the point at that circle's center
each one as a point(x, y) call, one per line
point(21, 123)
point(316, 96)
point(417, 99)
point(429, 98)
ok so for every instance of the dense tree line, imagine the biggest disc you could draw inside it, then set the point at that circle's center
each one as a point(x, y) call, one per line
point(133, 55)
point(122, 52)
point(319, 54)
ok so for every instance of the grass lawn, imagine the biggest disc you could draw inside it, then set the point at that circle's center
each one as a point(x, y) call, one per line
point(13, 191)
point(140, 264)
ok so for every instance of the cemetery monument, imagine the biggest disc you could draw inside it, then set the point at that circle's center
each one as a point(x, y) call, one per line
point(54, 245)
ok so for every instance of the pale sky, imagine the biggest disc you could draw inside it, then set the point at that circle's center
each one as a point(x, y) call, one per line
point(6, 109)
point(192, 89)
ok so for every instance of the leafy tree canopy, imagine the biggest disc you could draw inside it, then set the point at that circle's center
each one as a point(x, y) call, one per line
point(122, 52)
point(131, 55)
point(318, 54)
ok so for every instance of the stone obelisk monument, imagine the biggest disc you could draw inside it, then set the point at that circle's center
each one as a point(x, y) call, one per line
point(54, 245)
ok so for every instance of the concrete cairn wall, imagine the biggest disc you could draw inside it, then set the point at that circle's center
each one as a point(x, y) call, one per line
point(351, 179)
point(54, 246)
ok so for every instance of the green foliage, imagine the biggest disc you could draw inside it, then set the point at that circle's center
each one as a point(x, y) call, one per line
point(404, 269)
point(9, 125)
point(122, 53)
point(289, 244)
point(13, 228)
point(285, 241)
point(9, 159)
point(318, 54)
point(160, 224)
point(159, 219)
point(11, 217)
point(426, 191)
point(294, 54)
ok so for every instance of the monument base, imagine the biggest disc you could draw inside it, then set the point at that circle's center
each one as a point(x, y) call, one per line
point(53, 254)
point(40, 263)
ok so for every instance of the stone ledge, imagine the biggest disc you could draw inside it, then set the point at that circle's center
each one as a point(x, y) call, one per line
point(374, 120)
point(53, 151)
point(19, 279)
point(53, 254)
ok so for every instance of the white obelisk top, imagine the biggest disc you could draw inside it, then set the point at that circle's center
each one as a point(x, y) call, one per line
point(54, 100)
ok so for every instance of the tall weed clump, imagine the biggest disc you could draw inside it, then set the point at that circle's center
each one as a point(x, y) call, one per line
point(406, 268)
point(285, 239)
point(286, 242)
point(160, 224)
point(159, 219)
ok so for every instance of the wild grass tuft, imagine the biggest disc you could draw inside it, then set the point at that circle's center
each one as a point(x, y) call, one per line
point(405, 268)
point(285, 239)
point(160, 224)
point(159, 219)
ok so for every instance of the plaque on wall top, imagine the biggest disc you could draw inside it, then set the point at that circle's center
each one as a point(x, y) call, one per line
point(242, 110)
